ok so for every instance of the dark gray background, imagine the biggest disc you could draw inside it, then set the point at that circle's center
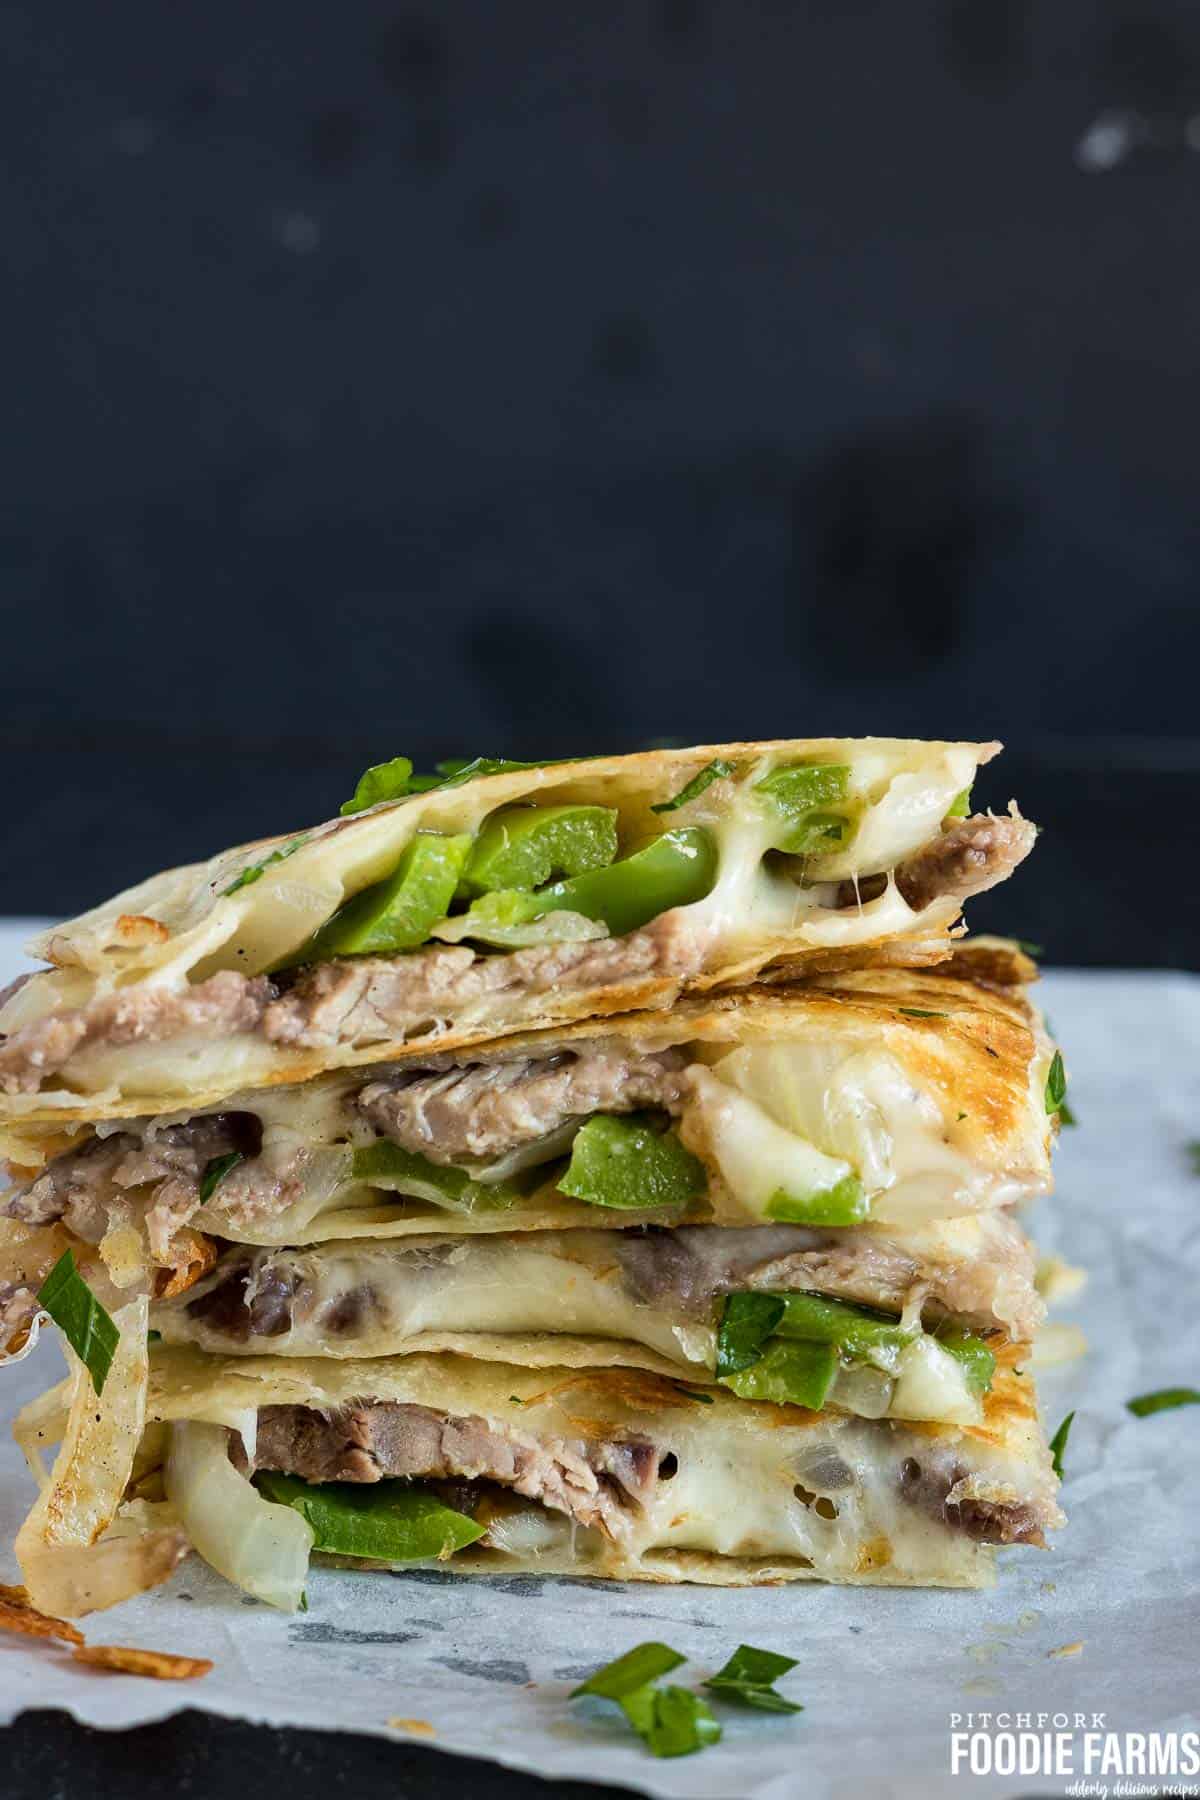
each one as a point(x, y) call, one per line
point(531, 378)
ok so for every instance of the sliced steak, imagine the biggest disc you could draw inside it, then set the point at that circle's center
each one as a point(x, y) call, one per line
point(987, 1512)
point(691, 1266)
point(80, 1186)
point(596, 1482)
point(970, 856)
point(483, 1110)
point(372, 998)
point(224, 1005)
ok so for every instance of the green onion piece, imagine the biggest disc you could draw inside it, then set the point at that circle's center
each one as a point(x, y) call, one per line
point(256, 871)
point(626, 1163)
point(524, 847)
point(215, 1172)
point(749, 1678)
point(386, 1165)
point(391, 1521)
point(382, 781)
point(747, 1321)
point(625, 1674)
point(960, 806)
point(790, 1373)
point(1058, 1444)
point(1163, 1400)
point(969, 1349)
point(88, 1329)
point(713, 771)
point(671, 1721)
point(1056, 1084)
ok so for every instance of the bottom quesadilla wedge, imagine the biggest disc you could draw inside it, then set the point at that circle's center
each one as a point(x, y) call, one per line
point(492, 1468)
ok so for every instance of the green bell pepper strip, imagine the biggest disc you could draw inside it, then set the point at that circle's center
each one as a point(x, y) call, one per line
point(803, 795)
point(391, 1521)
point(626, 1163)
point(960, 806)
point(398, 912)
point(858, 1332)
point(676, 869)
point(385, 1164)
point(793, 1372)
point(524, 847)
point(978, 1361)
point(844, 1204)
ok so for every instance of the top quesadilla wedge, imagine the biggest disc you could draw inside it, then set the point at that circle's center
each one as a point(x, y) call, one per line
point(493, 903)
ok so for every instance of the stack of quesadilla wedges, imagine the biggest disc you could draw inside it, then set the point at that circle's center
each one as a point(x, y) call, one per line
point(607, 1167)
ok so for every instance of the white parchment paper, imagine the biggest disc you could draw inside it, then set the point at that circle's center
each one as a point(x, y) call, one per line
point(487, 1665)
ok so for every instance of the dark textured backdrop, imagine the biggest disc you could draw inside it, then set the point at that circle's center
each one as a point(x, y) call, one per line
point(530, 378)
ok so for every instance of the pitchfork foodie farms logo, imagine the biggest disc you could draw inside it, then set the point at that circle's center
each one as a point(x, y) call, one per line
point(1094, 1762)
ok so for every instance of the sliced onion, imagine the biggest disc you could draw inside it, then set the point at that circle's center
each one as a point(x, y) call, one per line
point(529, 1532)
point(260, 1547)
point(528, 1156)
point(857, 1388)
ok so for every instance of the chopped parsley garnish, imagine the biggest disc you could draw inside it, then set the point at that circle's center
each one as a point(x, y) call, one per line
point(1163, 1400)
point(257, 870)
point(713, 771)
point(215, 1172)
point(671, 1721)
point(749, 1678)
point(1056, 1084)
point(88, 1329)
point(395, 780)
point(1058, 1444)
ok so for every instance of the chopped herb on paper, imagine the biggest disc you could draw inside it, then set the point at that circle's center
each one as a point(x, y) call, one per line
point(639, 1666)
point(671, 1721)
point(713, 771)
point(1056, 1084)
point(88, 1329)
point(1058, 1444)
point(749, 1678)
point(256, 871)
point(215, 1172)
point(1163, 1400)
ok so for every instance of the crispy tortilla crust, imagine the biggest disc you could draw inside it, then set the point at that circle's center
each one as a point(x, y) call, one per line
point(980, 1054)
point(207, 928)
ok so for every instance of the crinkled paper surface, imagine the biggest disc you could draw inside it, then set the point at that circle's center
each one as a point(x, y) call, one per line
point(488, 1665)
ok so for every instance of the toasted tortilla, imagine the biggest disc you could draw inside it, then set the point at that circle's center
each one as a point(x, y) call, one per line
point(738, 1500)
point(183, 927)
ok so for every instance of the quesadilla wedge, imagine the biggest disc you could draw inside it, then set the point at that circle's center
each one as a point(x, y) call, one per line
point(490, 1468)
point(434, 917)
point(910, 1324)
point(888, 1096)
